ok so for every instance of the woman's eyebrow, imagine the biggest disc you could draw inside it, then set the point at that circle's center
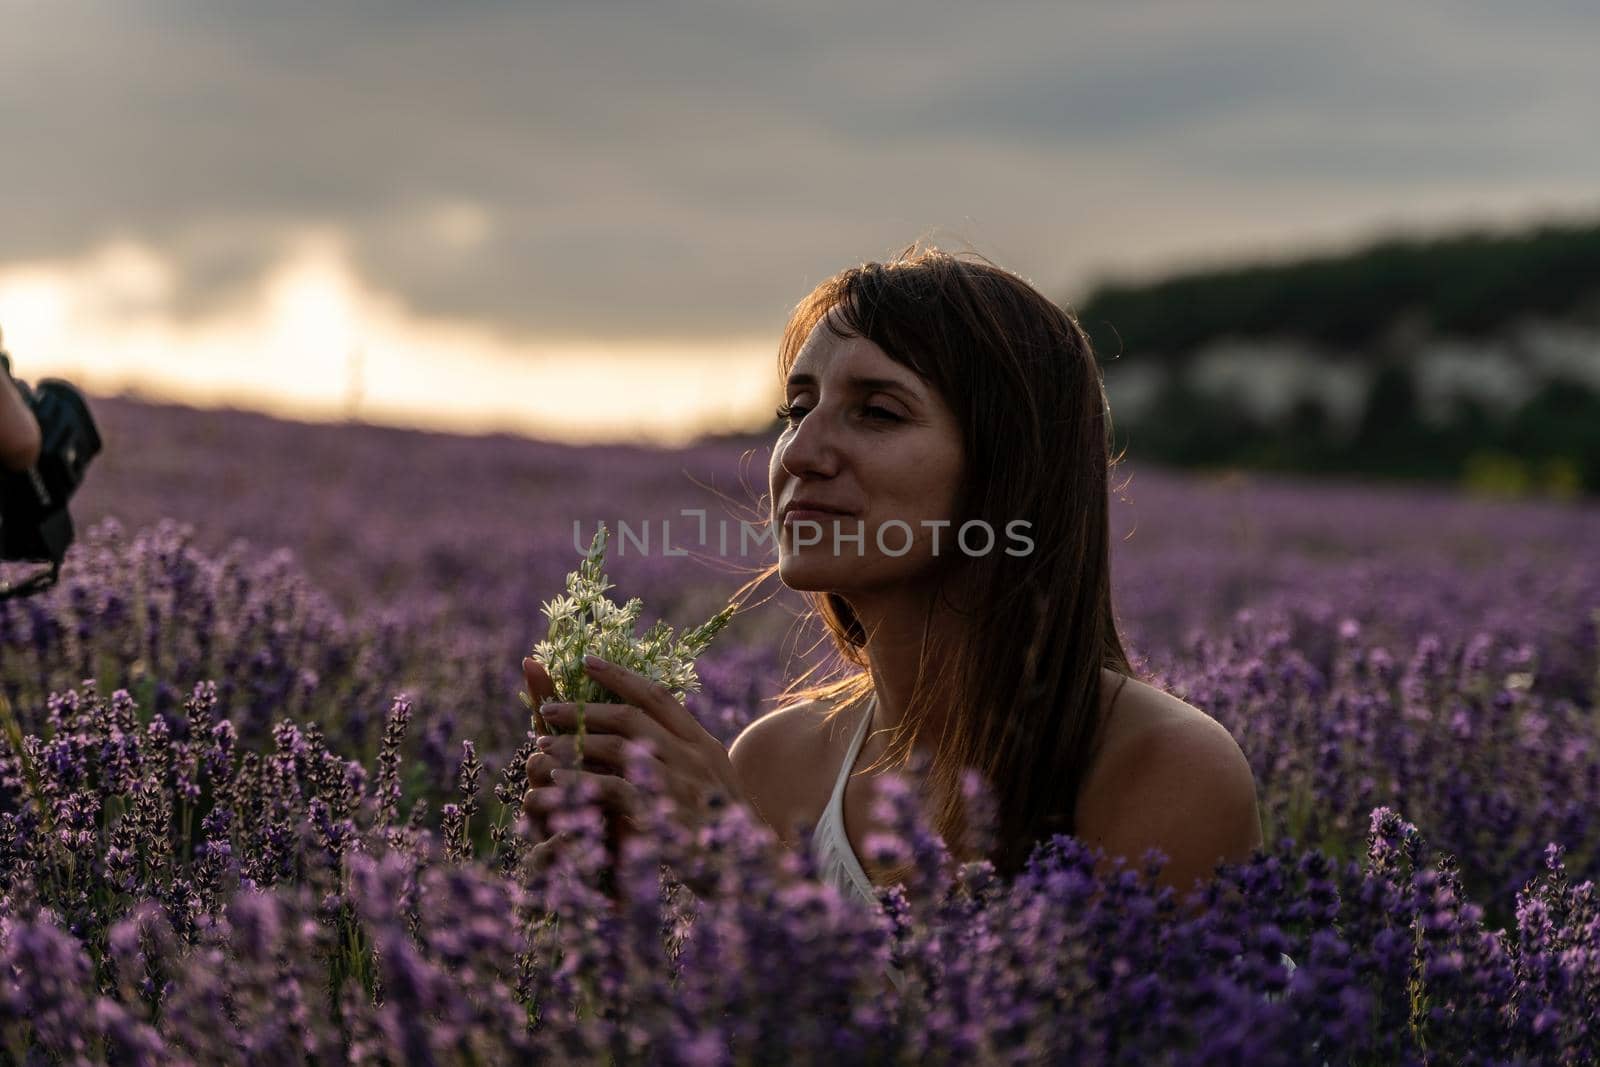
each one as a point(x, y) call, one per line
point(865, 385)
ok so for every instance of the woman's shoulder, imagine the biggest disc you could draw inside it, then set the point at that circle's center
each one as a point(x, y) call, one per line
point(802, 722)
point(1167, 773)
point(1143, 726)
point(776, 756)
point(1130, 708)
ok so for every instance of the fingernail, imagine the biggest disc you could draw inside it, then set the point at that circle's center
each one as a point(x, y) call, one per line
point(527, 662)
point(544, 743)
point(594, 663)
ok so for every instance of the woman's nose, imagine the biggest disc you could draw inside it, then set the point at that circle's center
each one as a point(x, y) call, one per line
point(811, 449)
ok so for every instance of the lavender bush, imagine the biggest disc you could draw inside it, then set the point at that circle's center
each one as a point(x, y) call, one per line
point(224, 838)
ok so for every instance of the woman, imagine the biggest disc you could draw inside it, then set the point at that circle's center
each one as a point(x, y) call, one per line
point(936, 404)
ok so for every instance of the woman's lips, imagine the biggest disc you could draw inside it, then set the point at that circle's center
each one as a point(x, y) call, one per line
point(808, 514)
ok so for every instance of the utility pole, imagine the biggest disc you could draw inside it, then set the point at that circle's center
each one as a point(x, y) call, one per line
point(354, 384)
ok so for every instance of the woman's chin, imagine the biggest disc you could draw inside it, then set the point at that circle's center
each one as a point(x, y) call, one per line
point(816, 574)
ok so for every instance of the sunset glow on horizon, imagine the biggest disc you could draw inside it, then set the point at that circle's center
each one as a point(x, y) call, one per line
point(314, 342)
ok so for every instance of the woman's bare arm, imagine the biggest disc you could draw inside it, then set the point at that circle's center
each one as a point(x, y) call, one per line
point(19, 430)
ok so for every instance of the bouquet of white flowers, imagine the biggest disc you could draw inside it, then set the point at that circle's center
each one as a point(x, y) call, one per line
point(585, 622)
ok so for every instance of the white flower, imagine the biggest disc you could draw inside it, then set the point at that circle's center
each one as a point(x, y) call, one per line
point(584, 622)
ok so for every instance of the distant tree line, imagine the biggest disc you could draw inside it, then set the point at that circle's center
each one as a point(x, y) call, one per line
point(1461, 285)
point(1376, 306)
point(1550, 445)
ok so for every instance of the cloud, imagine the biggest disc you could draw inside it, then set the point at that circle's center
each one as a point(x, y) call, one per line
point(685, 169)
point(313, 342)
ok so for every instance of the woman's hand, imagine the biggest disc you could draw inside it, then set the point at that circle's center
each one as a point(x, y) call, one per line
point(689, 763)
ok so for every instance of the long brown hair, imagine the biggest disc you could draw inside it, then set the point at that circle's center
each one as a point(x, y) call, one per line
point(1024, 677)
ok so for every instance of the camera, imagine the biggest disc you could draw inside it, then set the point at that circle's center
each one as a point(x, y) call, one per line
point(35, 526)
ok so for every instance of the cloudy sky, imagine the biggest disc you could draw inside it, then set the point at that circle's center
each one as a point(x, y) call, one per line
point(590, 219)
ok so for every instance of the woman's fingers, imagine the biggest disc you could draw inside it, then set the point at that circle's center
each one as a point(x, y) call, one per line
point(657, 703)
point(601, 752)
point(613, 793)
point(689, 764)
point(542, 765)
point(531, 806)
point(544, 852)
point(540, 687)
point(624, 720)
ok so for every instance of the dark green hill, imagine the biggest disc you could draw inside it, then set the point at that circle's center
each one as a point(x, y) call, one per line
point(1465, 284)
point(1396, 312)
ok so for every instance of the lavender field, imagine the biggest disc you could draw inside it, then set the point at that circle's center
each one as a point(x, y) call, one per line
point(262, 768)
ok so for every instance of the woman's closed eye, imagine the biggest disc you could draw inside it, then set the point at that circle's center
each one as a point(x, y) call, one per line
point(795, 412)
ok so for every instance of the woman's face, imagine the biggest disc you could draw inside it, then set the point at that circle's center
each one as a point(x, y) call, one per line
point(869, 438)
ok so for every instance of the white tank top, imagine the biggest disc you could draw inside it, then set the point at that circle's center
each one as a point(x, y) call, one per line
point(837, 862)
